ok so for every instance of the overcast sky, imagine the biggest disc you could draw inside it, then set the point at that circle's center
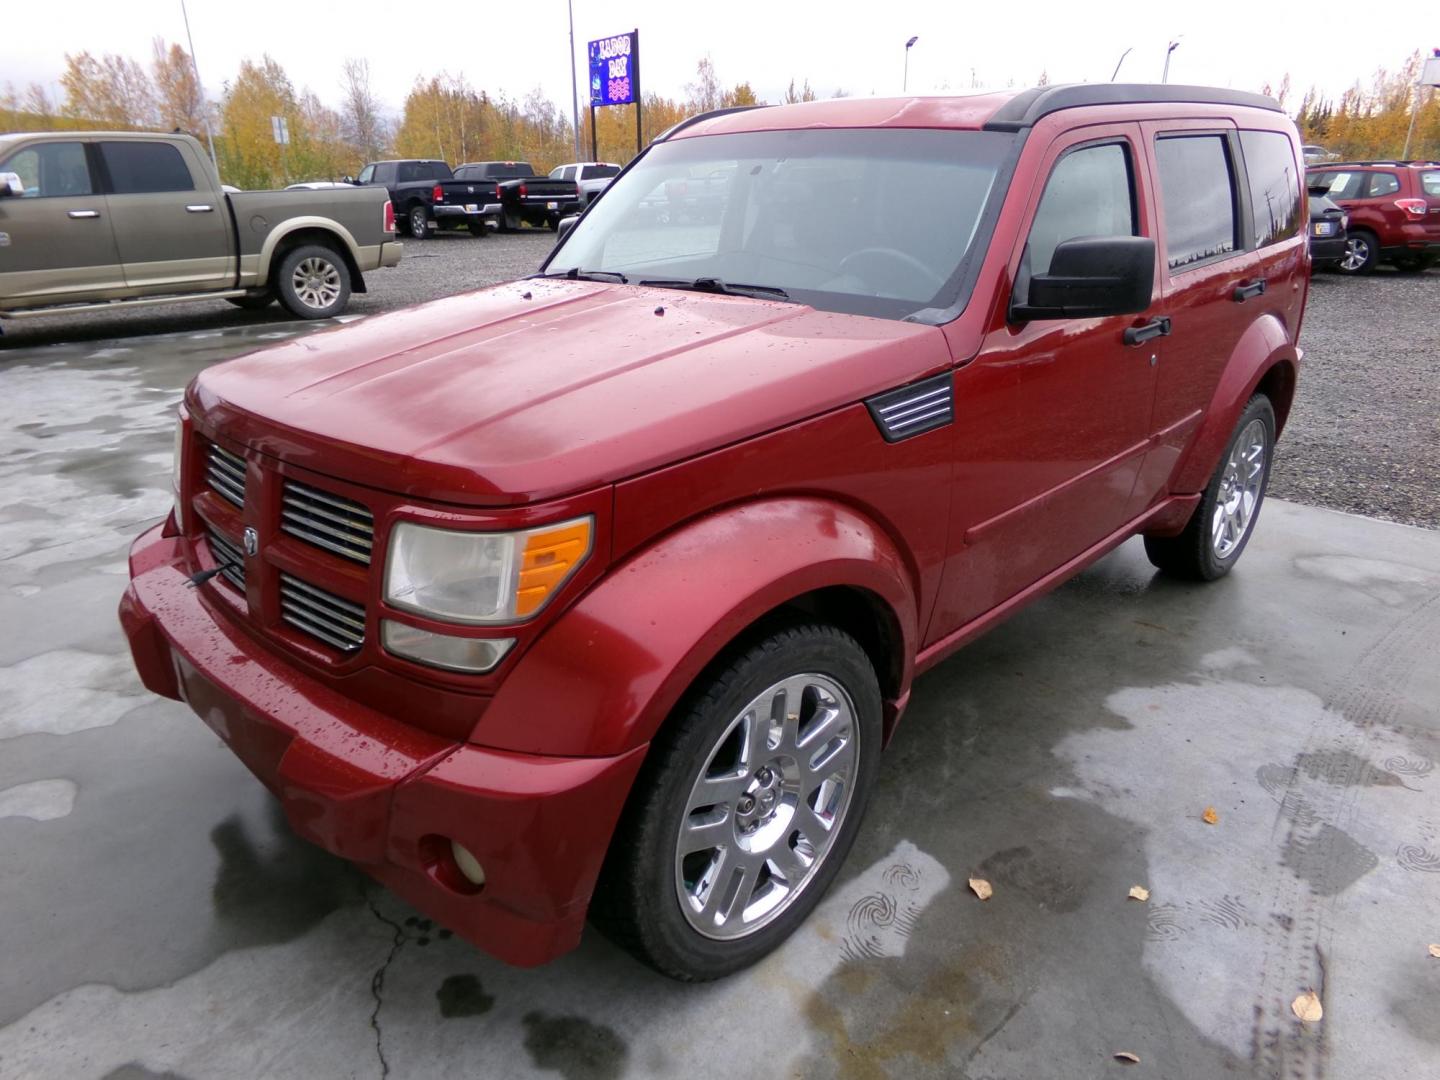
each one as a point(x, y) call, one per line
point(858, 47)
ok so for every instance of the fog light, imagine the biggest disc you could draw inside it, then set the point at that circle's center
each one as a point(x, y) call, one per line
point(470, 867)
point(443, 650)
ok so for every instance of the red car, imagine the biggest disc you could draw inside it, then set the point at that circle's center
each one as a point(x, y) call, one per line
point(1394, 209)
point(602, 591)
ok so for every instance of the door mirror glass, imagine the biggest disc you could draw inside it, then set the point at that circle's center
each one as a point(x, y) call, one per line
point(563, 229)
point(1092, 276)
point(11, 185)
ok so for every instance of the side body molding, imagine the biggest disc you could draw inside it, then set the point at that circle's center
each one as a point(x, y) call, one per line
point(612, 668)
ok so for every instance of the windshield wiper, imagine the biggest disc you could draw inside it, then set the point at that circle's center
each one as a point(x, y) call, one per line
point(715, 285)
point(576, 274)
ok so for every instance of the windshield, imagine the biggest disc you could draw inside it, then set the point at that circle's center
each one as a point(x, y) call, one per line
point(865, 221)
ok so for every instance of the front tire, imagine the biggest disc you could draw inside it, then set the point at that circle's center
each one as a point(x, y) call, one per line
point(747, 805)
point(1215, 536)
point(313, 282)
point(1413, 264)
point(1362, 252)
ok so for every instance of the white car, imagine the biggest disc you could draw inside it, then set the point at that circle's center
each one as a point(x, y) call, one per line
point(592, 177)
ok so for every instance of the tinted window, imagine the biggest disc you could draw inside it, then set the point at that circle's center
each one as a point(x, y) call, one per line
point(1088, 194)
point(599, 172)
point(51, 170)
point(1383, 183)
point(1274, 185)
point(1338, 185)
point(410, 171)
point(137, 168)
point(1198, 195)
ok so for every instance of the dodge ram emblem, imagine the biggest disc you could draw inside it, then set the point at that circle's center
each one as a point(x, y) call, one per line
point(252, 542)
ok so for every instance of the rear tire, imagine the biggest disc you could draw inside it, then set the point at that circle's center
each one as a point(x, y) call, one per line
point(747, 805)
point(1413, 264)
point(313, 282)
point(1215, 536)
point(1363, 252)
point(477, 228)
point(418, 221)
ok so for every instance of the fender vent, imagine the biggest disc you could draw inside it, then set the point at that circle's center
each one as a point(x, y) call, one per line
point(914, 409)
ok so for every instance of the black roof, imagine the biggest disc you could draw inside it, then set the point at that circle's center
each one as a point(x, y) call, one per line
point(1029, 106)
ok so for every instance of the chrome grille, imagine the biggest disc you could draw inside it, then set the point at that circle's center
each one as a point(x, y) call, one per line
point(328, 521)
point(339, 623)
point(225, 473)
point(228, 555)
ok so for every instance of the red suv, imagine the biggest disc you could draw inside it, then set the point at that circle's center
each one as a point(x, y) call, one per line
point(1394, 209)
point(602, 591)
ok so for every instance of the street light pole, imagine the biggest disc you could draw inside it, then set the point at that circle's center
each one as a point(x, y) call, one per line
point(1119, 62)
point(200, 89)
point(905, 85)
point(1165, 76)
point(574, 86)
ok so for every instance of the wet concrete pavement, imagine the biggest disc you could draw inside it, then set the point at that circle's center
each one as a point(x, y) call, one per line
point(157, 917)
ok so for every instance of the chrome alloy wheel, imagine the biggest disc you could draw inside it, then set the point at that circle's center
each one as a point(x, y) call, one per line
point(1357, 252)
point(1240, 489)
point(316, 282)
point(764, 811)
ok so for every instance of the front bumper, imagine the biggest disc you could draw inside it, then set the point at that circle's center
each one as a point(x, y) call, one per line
point(371, 789)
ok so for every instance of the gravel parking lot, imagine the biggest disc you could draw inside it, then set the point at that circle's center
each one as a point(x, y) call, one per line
point(1364, 436)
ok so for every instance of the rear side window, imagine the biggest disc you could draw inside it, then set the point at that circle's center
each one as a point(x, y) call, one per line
point(1197, 190)
point(1382, 183)
point(411, 171)
point(142, 168)
point(599, 172)
point(1088, 194)
point(51, 170)
point(1430, 183)
point(1274, 185)
point(1339, 185)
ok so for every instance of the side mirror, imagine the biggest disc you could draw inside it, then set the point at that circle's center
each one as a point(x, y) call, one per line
point(1091, 276)
point(562, 230)
point(11, 185)
point(347, 179)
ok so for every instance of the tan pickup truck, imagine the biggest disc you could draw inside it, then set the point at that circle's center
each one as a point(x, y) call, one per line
point(93, 220)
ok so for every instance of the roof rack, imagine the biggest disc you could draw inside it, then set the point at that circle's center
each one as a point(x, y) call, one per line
point(1026, 108)
point(691, 120)
point(1393, 163)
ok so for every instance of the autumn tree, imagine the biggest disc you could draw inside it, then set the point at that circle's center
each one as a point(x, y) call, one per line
point(792, 96)
point(111, 91)
point(179, 100)
point(363, 124)
point(249, 155)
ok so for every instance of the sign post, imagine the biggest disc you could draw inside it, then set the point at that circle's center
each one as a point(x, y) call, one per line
point(615, 80)
point(280, 128)
point(1429, 76)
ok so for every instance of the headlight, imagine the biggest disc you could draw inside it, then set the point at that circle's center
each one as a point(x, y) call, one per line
point(470, 577)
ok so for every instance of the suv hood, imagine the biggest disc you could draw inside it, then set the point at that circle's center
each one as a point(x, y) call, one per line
point(543, 388)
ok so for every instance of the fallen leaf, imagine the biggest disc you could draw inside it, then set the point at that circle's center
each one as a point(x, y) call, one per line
point(1210, 817)
point(1139, 892)
point(1435, 951)
point(981, 888)
point(1307, 1007)
point(1127, 1057)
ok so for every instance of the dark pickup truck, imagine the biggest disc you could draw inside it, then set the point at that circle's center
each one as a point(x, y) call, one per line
point(427, 196)
point(524, 195)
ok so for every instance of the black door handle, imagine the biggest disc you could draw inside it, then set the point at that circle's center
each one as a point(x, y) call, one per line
point(1247, 289)
point(1157, 327)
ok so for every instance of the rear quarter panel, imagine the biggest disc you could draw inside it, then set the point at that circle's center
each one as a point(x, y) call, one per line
point(264, 218)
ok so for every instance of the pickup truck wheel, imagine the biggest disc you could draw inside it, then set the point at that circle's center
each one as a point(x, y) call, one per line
point(313, 282)
point(746, 807)
point(477, 228)
point(1217, 532)
point(418, 222)
point(509, 221)
point(252, 301)
point(1362, 251)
